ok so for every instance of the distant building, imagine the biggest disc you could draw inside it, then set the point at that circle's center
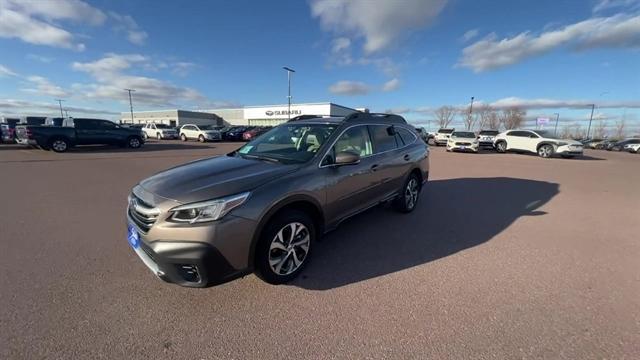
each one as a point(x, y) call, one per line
point(277, 114)
point(173, 118)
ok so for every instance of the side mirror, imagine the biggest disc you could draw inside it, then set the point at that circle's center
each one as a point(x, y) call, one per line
point(346, 158)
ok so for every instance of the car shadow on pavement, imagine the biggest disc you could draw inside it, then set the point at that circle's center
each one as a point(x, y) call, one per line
point(148, 147)
point(453, 215)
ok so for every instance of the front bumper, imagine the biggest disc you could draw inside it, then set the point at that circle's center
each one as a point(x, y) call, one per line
point(470, 148)
point(569, 150)
point(169, 136)
point(30, 142)
point(485, 144)
point(441, 141)
point(199, 255)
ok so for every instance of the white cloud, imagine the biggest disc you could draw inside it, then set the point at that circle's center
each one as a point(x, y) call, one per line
point(5, 71)
point(182, 68)
point(111, 78)
point(44, 87)
point(617, 31)
point(381, 23)
point(75, 10)
point(469, 35)
point(346, 87)
point(22, 107)
point(604, 5)
point(127, 24)
point(340, 44)
point(391, 85)
point(40, 58)
point(556, 104)
point(17, 25)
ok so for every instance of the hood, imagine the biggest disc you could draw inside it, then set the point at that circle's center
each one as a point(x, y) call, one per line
point(569, 142)
point(211, 131)
point(213, 178)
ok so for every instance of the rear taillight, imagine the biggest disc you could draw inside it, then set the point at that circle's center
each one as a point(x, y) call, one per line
point(29, 134)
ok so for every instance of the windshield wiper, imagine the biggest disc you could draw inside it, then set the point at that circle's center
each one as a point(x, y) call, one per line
point(265, 158)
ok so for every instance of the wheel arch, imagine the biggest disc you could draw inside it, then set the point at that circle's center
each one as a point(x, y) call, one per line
point(553, 145)
point(300, 202)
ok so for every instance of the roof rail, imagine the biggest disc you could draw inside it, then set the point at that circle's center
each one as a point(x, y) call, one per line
point(306, 117)
point(392, 118)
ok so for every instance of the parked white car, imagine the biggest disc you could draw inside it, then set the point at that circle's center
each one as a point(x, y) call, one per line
point(538, 142)
point(634, 148)
point(486, 138)
point(442, 136)
point(159, 131)
point(463, 141)
point(201, 133)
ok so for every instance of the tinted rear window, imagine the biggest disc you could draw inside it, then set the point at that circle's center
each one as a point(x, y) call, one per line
point(445, 131)
point(489, 132)
point(382, 141)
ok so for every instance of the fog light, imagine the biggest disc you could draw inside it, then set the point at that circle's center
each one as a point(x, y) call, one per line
point(189, 272)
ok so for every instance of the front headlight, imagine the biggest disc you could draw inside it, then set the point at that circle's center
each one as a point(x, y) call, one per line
point(207, 210)
point(560, 143)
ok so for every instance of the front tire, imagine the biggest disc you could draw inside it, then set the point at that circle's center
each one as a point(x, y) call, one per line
point(158, 136)
point(134, 142)
point(183, 137)
point(545, 151)
point(408, 198)
point(285, 247)
point(501, 147)
point(201, 138)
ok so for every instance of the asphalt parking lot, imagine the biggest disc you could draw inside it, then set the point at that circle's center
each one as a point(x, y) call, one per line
point(506, 256)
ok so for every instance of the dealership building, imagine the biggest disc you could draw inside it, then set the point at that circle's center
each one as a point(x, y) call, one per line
point(277, 114)
point(174, 118)
point(247, 115)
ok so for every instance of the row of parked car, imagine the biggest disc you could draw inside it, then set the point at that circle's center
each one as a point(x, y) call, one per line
point(202, 133)
point(544, 143)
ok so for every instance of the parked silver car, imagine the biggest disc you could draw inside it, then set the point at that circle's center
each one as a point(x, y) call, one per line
point(261, 208)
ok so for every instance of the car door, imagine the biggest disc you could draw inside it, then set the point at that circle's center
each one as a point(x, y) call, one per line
point(87, 131)
point(515, 140)
point(187, 130)
point(530, 141)
point(109, 133)
point(387, 150)
point(350, 188)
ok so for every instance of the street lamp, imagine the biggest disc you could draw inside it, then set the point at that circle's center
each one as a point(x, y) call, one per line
point(555, 132)
point(130, 103)
point(289, 71)
point(60, 103)
point(593, 106)
point(470, 114)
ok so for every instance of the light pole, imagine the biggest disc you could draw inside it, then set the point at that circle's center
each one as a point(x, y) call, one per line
point(60, 103)
point(289, 71)
point(66, 113)
point(470, 114)
point(593, 106)
point(130, 103)
point(555, 132)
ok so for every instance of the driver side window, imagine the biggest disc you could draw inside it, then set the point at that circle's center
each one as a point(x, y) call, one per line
point(355, 140)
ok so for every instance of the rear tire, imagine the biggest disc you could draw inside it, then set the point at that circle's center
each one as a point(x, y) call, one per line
point(59, 145)
point(158, 136)
point(278, 258)
point(501, 147)
point(407, 201)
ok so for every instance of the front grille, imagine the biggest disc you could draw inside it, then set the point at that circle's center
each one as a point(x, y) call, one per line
point(143, 214)
point(463, 144)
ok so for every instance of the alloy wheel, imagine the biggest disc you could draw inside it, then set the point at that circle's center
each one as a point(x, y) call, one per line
point(134, 143)
point(411, 193)
point(545, 151)
point(59, 145)
point(289, 248)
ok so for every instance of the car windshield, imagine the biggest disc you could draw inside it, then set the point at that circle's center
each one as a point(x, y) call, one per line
point(489, 132)
point(162, 126)
point(464, 134)
point(288, 143)
point(445, 131)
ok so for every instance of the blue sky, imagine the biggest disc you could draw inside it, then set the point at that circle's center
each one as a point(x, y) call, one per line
point(409, 56)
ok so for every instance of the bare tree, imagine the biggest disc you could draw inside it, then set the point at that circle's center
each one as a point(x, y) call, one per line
point(487, 117)
point(468, 119)
point(513, 117)
point(444, 115)
point(565, 133)
point(620, 128)
point(600, 130)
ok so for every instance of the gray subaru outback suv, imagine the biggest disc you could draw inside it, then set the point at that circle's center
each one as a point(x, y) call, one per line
point(262, 207)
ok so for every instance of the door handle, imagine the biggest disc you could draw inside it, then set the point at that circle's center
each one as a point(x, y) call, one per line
point(407, 157)
point(374, 167)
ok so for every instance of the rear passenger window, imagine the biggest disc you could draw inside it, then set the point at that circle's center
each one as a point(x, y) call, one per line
point(382, 141)
point(406, 136)
point(355, 140)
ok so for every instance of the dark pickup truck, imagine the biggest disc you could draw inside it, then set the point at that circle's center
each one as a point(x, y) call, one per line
point(78, 132)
